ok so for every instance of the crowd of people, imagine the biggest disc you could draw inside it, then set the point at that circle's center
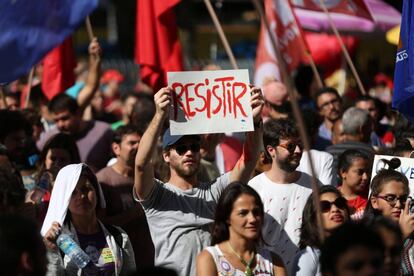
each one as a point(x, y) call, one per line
point(101, 165)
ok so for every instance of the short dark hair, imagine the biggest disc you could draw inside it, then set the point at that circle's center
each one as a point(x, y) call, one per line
point(347, 158)
point(220, 230)
point(121, 131)
point(128, 94)
point(143, 111)
point(365, 98)
point(344, 238)
point(276, 129)
point(326, 90)
point(17, 236)
point(309, 235)
point(63, 102)
point(12, 121)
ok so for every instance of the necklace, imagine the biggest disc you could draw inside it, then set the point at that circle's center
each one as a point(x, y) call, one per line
point(248, 271)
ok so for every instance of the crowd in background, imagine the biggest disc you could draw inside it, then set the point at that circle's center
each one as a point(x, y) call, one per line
point(100, 164)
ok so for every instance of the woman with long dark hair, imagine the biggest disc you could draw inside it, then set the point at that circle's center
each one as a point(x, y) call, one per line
point(335, 212)
point(236, 236)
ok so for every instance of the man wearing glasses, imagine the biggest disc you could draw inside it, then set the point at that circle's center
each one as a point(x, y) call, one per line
point(180, 211)
point(329, 106)
point(283, 189)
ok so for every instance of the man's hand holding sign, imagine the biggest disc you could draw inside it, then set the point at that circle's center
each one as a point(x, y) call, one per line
point(202, 102)
point(210, 102)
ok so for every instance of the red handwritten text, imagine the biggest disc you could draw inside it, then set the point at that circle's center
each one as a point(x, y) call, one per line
point(221, 97)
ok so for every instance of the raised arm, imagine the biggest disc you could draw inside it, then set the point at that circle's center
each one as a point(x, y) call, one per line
point(94, 72)
point(251, 147)
point(144, 168)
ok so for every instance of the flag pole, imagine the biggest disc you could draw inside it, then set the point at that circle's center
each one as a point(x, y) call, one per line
point(344, 50)
point(281, 62)
point(89, 28)
point(29, 83)
point(298, 118)
point(221, 34)
point(3, 97)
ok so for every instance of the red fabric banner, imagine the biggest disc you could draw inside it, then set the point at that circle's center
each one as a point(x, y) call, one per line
point(157, 48)
point(58, 69)
point(282, 23)
point(350, 7)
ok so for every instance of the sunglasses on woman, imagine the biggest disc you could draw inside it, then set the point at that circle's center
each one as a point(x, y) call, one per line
point(326, 205)
point(392, 199)
point(183, 148)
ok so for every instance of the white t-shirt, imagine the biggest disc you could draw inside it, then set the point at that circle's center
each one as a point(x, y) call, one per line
point(306, 262)
point(283, 206)
point(322, 163)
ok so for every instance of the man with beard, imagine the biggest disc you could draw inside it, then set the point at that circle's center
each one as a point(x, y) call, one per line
point(283, 189)
point(117, 182)
point(329, 106)
point(180, 211)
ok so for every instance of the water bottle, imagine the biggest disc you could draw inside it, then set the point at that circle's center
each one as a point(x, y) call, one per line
point(72, 250)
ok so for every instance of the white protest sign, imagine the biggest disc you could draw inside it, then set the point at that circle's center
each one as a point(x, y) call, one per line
point(406, 168)
point(210, 102)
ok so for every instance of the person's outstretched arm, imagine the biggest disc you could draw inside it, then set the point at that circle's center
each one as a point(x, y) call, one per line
point(251, 147)
point(94, 72)
point(144, 168)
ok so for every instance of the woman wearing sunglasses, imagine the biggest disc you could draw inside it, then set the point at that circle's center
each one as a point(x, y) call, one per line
point(335, 212)
point(236, 235)
point(389, 198)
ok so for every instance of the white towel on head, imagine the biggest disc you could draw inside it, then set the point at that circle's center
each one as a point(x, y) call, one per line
point(63, 188)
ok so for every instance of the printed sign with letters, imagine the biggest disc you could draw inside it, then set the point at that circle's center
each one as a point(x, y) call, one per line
point(210, 102)
point(406, 168)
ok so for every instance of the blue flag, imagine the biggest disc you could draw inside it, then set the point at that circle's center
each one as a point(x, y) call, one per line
point(29, 29)
point(403, 98)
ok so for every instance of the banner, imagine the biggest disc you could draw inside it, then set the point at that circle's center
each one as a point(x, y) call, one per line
point(210, 102)
point(406, 168)
point(403, 97)
point(157, 48)
point(58, 69)
point(30, 29)
point(350, 7)
point(282, 24)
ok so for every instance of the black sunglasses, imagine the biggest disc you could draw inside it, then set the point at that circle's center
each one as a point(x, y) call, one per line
point(183, 148)
point(340, 203)
point(291, 146)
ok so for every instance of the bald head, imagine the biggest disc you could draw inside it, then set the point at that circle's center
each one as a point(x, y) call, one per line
point(275, 92)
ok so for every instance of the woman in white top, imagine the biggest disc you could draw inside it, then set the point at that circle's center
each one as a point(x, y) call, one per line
point(335, 212)
point(236, 234)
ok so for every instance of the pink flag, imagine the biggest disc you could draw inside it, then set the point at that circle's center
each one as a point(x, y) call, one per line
point(287, 33)
point(350, 7)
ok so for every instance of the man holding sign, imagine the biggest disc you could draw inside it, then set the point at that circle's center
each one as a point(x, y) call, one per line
point(180, 211)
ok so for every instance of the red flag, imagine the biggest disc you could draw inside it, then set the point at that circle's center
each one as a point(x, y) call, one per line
point(350, 7)
point(58, 69)
point(157, 49)
point(282, 23)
